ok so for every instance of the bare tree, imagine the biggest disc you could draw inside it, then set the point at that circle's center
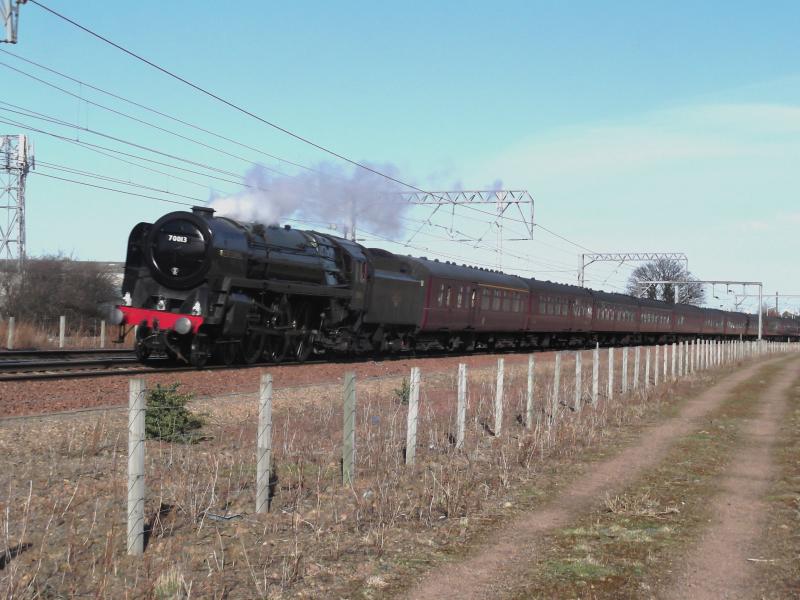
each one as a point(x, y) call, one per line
point(665, 269)
point(51, 286)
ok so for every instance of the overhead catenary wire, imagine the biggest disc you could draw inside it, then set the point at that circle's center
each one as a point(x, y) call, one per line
point(249, 113)
point(196, 127)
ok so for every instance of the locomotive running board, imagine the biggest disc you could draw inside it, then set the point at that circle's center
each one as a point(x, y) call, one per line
point(285, 287)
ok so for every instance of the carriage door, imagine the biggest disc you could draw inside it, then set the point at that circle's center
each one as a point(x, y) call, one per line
point(472, 301)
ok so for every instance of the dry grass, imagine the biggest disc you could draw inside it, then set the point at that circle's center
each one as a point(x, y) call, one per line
point(63, 488)
point(43, 335)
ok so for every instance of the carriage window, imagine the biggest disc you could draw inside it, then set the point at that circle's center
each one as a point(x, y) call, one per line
point(507, 301)
point(473, 298)
point(496, 300)
point(440, 298)
point(447, 299)
point(460, 297)
point(484, 299)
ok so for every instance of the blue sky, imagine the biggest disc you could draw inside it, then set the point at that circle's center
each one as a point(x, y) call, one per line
point(635, 125)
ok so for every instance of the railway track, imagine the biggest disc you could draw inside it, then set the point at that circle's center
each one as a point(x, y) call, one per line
point(32, 365)
point(17, 365)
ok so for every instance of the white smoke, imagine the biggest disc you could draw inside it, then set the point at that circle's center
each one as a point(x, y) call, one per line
point(327, 195)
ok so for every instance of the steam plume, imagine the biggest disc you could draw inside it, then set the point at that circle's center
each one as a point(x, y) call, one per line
point(327, 195)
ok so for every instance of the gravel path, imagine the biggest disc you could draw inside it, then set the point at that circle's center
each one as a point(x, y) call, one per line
point(484, 574)
point(717, 567)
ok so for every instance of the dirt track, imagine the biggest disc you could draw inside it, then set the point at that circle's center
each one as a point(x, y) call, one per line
point(492, 569)
point(718, 566)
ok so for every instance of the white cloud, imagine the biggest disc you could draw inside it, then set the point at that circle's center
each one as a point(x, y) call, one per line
point(667, 138)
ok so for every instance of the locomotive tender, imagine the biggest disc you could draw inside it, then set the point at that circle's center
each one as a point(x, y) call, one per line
point(198, 286)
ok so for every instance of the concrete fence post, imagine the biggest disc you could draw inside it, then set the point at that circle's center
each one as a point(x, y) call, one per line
point(413, 417)
point(647, 369)
point(349, 429)
point(610, 390)
point(556, 388)
point(595, 374)
point(636, 360)
point(666, 357)
point(529, 395)
point(685, 355)
point(461, 411)
point(10, 336)
point(136, 487)
point(62, 330)
point(578, 381)
point(625, 370)
point(656, 367)
point(102, 334)
point(498, 397)
point(264, 443)
point(674, 357)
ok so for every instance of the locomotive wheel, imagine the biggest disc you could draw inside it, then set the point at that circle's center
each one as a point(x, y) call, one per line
point(198, 352)
point(252, 347)
point(227, 353)
point(301, 344)
point(142, 352)
point(277, 348)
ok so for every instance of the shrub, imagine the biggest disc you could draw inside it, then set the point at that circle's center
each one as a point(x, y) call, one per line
point(402, 393)
point(167, 417)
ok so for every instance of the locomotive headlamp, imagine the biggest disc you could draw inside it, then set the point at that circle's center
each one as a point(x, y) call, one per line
point(116, 317)
point(182, 326)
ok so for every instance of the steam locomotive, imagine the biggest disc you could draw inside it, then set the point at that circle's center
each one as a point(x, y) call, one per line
point(199, 287)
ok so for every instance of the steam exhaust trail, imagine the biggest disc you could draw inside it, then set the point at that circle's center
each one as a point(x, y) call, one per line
point(328, 195)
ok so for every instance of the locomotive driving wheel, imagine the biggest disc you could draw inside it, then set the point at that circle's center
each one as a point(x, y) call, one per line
point(252, 347)
point(226, 353)
point(278, 346)
point(302, 343)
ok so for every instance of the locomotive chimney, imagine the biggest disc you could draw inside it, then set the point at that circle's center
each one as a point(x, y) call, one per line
point(203, 211)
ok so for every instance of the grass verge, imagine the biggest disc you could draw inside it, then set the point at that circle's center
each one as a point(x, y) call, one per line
point(626, 547)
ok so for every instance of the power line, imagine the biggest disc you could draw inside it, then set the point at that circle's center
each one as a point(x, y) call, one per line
point(240, 109)
point(100, 187)
point(156, 111)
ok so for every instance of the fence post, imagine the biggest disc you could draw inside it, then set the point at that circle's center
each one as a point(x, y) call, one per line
point(636, 354)
point(556, 386)
point(610, 389)
point(264, 443)
point(498, 397)
point(647, 369)
point(102, 334)
point(62, 330)
point(413, 414)
point(595, 373)
point(666, 356)
point(656, 366)
point(674, 358)
point(136, 489)
point(578, 381)
point(10, 339)
point(529, 399)
point(625, 370)
point(461, 411)
point(349, 430)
